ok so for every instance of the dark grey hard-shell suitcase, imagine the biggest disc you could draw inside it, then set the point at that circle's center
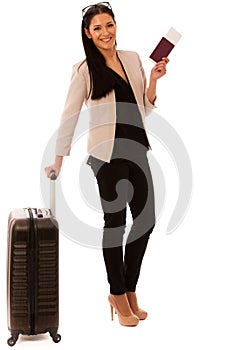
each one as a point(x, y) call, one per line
point(33, 271)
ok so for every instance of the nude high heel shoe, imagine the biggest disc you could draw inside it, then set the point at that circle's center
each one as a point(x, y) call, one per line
point(132, 298)
point(121, 302)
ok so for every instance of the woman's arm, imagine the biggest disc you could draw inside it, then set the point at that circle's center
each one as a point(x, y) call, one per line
point(157, 72)
point(76, 95)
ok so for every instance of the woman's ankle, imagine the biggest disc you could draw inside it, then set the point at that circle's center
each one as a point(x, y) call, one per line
point(132, 298)
point(122, 304)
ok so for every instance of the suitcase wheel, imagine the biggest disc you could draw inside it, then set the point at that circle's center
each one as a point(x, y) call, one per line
point(12, 340)
point(56, 338)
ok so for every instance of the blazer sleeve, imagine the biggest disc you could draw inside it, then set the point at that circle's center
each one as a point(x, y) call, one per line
point(148, 105)
point(74, 101)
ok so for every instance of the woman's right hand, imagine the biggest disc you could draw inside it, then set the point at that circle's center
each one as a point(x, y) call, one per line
point(56, 167)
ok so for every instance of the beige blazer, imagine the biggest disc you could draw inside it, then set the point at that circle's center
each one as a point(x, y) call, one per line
point(102, 112)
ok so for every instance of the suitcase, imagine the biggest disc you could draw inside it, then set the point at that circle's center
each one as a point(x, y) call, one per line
point(33, 271)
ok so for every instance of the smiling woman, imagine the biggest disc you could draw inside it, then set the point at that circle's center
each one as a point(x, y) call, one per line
point(102, 28)
point(112, 83)
point(102, 31)
point(99, 37)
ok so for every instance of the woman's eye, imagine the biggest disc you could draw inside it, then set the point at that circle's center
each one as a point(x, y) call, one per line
point(110, 25)
point(97, 28)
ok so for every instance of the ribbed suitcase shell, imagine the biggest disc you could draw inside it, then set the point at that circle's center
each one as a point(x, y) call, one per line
point(33, 273)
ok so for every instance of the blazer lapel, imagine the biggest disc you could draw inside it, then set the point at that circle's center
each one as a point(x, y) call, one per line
point(130, 74)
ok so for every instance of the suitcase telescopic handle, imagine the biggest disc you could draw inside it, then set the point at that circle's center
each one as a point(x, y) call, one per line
point(53, 177)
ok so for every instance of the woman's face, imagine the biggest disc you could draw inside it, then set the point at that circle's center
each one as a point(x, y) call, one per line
point(102, 31)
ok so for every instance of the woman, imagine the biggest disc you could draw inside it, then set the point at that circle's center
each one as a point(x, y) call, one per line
point(112, 83)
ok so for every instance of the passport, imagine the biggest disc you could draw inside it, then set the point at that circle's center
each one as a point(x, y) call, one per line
point(165, 45)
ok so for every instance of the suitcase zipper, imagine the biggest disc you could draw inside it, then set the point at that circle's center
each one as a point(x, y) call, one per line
point(32, 270)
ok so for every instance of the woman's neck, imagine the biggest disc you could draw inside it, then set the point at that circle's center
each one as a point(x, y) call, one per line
point(110, 56)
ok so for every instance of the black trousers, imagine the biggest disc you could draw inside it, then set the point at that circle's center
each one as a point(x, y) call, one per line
point(122, 182)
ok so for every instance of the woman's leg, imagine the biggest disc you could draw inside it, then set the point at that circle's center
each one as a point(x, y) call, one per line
point(143, 212)
point(123, 272)
point(113, 188)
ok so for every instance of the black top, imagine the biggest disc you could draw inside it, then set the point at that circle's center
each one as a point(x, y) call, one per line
point(129, 124)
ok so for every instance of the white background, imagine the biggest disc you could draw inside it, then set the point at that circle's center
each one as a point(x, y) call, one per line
point(186, 280)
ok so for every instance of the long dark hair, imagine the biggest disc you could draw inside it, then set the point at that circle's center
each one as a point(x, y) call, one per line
point(102, 82)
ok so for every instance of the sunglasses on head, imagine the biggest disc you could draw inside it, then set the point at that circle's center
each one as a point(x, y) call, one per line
point(105, 3)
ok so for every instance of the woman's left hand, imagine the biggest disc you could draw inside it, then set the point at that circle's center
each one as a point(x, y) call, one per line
point(159, 69)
